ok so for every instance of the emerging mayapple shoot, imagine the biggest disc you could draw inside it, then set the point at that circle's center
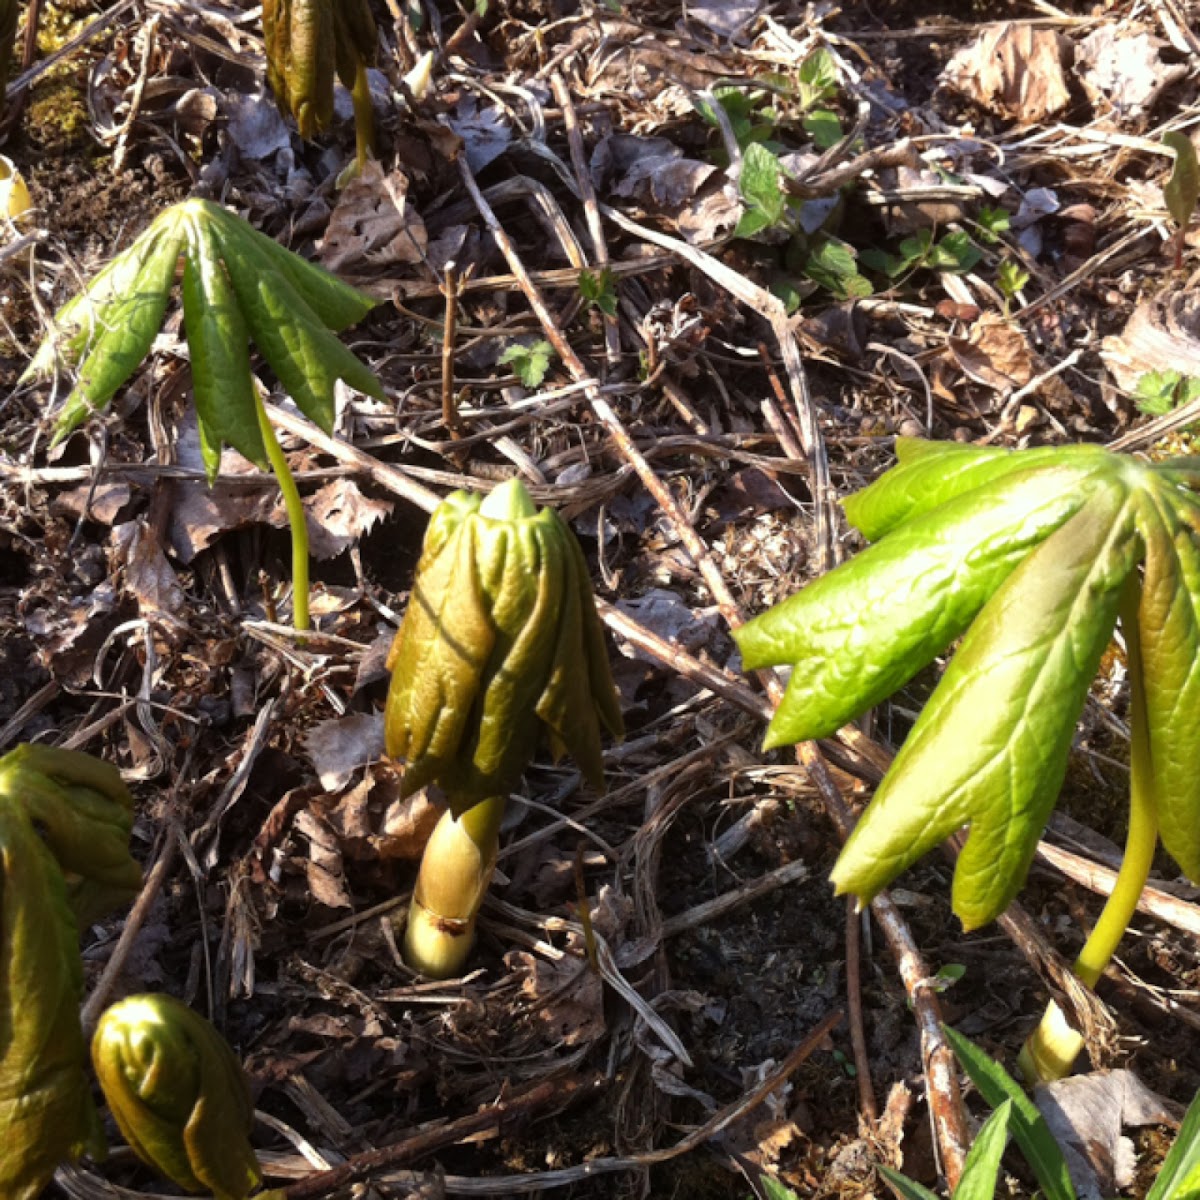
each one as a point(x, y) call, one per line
point(238, 285)
point(1032, 556)
point(308, 43)
point(60, 811)
point(500, 645)
point(178, 1095)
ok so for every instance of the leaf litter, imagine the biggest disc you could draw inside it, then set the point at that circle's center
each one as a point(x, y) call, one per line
point(138, 607)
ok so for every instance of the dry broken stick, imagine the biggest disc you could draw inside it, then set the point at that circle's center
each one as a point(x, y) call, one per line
point(945, 1100)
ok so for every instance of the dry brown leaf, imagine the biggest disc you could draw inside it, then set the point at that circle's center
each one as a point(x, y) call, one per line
point(1121, 70)
point(1163, 334)
point(566, 997)
point(995, 354)
point(1015, 70)
point(101, 503)
point(338, 515)
point(148, 575)
point(373, 223)
point(407, 825)
point(323, 869)
point(1086, 1114)
point(340, 748)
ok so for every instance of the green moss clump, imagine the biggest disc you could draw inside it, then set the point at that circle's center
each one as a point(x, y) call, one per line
point(57, 118)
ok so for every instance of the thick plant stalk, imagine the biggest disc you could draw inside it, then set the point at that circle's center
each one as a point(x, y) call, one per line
point(455, 872)
point(364, 117)
point(1050, 1051)
point(295, 514)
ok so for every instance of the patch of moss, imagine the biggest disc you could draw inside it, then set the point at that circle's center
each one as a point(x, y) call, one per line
point(57, 118)
point(57, 25)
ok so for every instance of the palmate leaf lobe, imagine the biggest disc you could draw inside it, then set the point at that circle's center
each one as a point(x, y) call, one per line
point(1027, 555)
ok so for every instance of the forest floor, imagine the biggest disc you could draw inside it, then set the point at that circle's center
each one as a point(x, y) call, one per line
point(954, 213)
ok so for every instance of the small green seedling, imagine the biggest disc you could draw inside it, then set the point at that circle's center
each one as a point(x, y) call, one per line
point(238, 285)
point(529, 363)
point(599, 290)
point(1031, 555)
point(834, 265)
point(992, 222)
point(1182, 190)
point(1162, 392)
point(1011, 277)
point(955, 253)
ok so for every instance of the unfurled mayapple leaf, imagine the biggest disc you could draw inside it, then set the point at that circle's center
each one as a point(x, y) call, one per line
point(1029, 555)
point(46, 1112)
point(178, 1094)
point(500, 644)
point(238, 286)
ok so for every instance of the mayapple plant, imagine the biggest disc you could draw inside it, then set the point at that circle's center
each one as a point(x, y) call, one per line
point(238, 285)
point(178, 1095)
point(61, 813)
point(309, 42)
point(500, 645)
point(1032, 555)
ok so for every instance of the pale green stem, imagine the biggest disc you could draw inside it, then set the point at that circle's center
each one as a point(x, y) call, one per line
point(364, 117)
point(295, 515)
point(1050, 1051)
point(1142, 838)
point(455, 872)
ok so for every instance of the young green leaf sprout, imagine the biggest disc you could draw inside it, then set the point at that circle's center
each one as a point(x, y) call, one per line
point(500, 646)
point(1033, 556)
point(178, 1095)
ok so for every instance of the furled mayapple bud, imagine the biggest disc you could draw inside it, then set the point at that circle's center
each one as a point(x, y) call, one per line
point(500, 643)
point(308, 43)
point(178, 1095)
point(65, 819)
point(46, 1113)
point(85, 814)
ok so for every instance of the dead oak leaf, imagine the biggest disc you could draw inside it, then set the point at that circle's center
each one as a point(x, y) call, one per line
point(566, 997)
point(373, 223)
point(1121, 70)
point(338, 515)
point(1014, 70)
point(148, 576)
point(996, 354)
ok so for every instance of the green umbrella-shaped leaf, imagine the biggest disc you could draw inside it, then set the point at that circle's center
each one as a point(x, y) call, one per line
point(122, 334)
point(990, 749)
point(76, 322)
point(335, 303)
point(863, 630)
point(178, 1094)
point(220, 349)
point(1169, 623)
point(932, 473)
point(436, 662)
point(308, 359)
